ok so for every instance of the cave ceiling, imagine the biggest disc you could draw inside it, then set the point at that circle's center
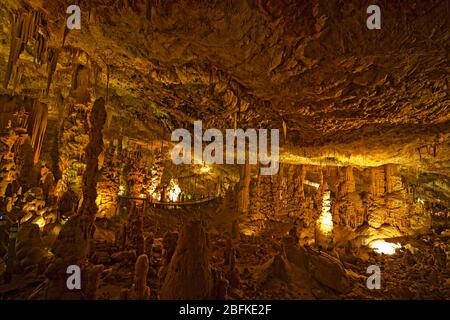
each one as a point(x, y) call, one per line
point(340, 92)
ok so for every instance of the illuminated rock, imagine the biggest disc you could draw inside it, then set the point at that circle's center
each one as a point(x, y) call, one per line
point(381, 246)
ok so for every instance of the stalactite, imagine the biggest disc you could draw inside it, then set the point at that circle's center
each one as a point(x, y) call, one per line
point(25, 27)
point(17, 46)
point(108, 74)
point(302, 177)
point(53, 55)
point(348, 182)
point(66, 33)
point(17, 77)
point(148, 9)
point(37, 127)
point(390, 172)
point(244, 189)
point(284, 131)
point(377, 181)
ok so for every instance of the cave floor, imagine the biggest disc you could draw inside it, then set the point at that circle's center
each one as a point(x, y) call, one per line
point(404, 275)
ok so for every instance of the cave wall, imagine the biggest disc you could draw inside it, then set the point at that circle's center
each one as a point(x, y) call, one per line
point(360, 197)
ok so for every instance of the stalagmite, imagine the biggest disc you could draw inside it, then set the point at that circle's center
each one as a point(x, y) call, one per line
point(189, 275)
point(135, 232)
point(24, 160)
point(139, 290)
point(88, 208)
point(170, 240)
point(232, 243)
point(233, 274)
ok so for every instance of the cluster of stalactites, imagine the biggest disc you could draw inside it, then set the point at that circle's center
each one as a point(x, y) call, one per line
point(26, 28)
point(29, 33)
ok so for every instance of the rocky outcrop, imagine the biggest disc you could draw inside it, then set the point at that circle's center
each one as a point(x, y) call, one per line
point(70, 248)
point(324, 268)
point(329, 271)
point(30, 253)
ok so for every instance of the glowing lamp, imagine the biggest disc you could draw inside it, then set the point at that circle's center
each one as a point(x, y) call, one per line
point(174, 191)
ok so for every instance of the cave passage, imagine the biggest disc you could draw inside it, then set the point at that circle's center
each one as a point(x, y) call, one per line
point(211, 150)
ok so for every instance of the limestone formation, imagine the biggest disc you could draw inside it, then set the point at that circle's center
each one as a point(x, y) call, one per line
point(134, 229)
point(357, 123)
point(140, 290)
point(70, 248)
point(88, 210)
point(189, 275)
point(30, 252)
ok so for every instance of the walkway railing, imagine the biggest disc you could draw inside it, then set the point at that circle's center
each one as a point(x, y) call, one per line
point(169, 204)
